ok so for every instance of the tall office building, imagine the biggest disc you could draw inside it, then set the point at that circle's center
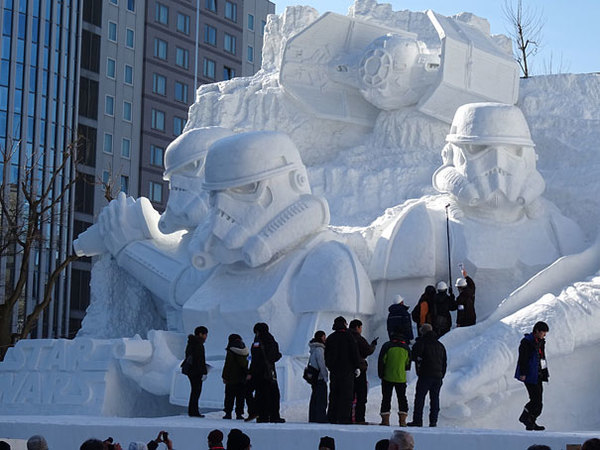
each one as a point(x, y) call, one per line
point(141, 63)
point(39, 73)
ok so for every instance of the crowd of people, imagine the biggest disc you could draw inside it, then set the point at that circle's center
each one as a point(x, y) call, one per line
point(238, 440)
point(339, 364)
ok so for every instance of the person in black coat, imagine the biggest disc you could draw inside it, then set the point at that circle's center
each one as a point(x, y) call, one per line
point(198, 371)
point(342, 360)
point(533, 370)
point(465, 302)
point(399, 321)
point(361, 387)
point(431, 361)
point(443, 303)
point(262, 374)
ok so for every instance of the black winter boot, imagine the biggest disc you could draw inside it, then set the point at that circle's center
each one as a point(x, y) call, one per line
point(526, 420)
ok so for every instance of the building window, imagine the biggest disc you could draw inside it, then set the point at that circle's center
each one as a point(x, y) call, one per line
point(131, 5)
point(88, 98)
point(158, 120)
point(109, 105)
point(162, 14)
point(211, 5)
point(178, 125)
point(210, 35)
point(128, 74)
point(159, 84)
point(228, 73)
point(263, 24)
point(209, 68)
point(114, 2)
point(111, 66)
point(108, 143)
point(181, 92)
point(125, 184)
point(90, 51)
point(105, 177)
point(112, 31)
point(182, 57)
point(155, 192)
point(183, 23)
point(229, 43)
point(156, 155)
point(250, 22)
point(160, 48)
point(250, 53)
point(130, 38)
point(125, 148)
point(127, 111)
point(231, 11)
point(92, 12)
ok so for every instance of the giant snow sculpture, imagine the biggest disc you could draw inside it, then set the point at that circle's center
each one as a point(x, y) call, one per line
point(132, 232)
point(490, 215)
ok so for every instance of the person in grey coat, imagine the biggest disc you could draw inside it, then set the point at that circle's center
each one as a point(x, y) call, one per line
point(317, 410)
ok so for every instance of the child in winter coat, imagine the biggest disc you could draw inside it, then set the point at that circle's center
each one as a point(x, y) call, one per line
point(234, 374)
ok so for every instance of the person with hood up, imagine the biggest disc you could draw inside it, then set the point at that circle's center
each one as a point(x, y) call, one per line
point(532, 370)
point(342, 360)
point(399, 320)
point(430, 357)
point(443, 303)
point(465, 302)
point(198, 370)
point(265, 353)
point(234, 374)
point(317, 409)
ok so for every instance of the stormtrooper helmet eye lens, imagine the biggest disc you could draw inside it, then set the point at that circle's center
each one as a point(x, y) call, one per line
point(250, 188)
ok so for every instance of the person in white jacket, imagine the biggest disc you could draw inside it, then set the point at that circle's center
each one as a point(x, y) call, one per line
point(317, 411)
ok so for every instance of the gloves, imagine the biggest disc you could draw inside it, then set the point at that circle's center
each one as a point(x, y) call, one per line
point(374, 342)
point(357, 373)
point(204, 377)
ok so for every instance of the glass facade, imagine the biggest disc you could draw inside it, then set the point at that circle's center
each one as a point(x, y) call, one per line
point(39, 68)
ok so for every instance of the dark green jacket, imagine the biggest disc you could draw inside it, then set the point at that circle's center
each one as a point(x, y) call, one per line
point(235, 368)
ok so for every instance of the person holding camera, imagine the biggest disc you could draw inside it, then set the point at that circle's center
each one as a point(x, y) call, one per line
point(163, 437)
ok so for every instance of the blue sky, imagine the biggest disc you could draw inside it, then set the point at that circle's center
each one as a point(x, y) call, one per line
point(571, 34)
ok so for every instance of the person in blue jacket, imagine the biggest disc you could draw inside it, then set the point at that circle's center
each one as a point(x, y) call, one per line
point(532, 370)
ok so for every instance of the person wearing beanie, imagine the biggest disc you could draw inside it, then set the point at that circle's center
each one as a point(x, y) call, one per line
point(431, 361)
point(37, 442)
point(234, 375)
point(327, 443)
point(215, 440)
point(342, 360)
point(237, 440)
point(532, 370)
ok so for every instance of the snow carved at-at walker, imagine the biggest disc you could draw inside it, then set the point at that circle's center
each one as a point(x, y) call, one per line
point(352, 91)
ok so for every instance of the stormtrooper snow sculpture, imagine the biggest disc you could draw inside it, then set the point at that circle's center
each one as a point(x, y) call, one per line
point(277, 262)
point(160, 262)
point(491, 212)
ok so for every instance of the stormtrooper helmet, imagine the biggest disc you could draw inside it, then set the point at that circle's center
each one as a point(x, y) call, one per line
point(492, 158)
point(260, 198)
point(184, 170)
point(395, 71)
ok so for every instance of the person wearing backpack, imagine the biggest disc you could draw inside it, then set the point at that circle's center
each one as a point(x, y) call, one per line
point(421, 312)
point(317, 409)
point(443, 303)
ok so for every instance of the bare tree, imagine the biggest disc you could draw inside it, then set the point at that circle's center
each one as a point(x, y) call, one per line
point(29, 205)
point(525, 29)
